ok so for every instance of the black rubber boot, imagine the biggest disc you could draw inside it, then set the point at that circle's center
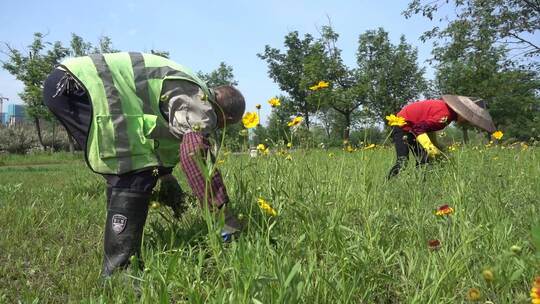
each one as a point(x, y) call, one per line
point(126, 215)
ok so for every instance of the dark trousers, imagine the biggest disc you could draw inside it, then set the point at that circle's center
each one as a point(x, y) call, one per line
point(71, 106)
point(405, 142)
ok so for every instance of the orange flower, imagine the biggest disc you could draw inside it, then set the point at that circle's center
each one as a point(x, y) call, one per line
point(444, 210)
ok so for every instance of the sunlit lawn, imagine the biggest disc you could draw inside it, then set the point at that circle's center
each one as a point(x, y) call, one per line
point(343, 234)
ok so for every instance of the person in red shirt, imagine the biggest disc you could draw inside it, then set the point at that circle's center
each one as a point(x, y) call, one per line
point(423, 118)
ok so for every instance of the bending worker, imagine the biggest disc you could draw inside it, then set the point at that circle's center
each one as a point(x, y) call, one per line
point(131, 113)
point(414, 126)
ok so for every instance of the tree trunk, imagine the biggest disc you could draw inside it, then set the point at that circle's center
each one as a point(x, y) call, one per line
point(465, 135)
point(38, 129)
point(347, 129)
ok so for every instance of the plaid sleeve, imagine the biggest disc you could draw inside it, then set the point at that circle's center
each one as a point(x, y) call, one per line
point(193, 151)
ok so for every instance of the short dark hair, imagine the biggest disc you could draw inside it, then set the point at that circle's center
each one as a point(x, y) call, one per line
point(231, 101)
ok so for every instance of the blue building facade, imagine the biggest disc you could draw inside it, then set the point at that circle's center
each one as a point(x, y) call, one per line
point(15, 114)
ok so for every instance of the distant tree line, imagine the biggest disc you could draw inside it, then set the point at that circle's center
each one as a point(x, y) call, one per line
point(482, 50)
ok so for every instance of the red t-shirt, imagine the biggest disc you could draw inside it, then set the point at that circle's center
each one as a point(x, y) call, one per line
point(427, 116)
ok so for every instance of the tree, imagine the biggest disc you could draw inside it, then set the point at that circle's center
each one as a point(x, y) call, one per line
point(509, 20)
point(348, 86)
point(472, 61)
point(288, 70)
point(223, 75)
point(391, 71)
point(32, 69)
point(105, 46)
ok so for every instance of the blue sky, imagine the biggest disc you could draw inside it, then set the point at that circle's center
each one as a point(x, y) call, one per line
point(201, 34)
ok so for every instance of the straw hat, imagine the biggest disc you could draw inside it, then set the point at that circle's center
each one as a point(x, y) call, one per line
point(472, 110)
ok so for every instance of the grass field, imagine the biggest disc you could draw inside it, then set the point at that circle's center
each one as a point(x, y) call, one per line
point(342, 234)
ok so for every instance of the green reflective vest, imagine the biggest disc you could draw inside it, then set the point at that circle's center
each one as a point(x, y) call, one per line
point(128, 131)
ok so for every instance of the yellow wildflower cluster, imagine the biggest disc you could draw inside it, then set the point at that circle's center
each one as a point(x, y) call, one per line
point(266, 207)
point(320, 85)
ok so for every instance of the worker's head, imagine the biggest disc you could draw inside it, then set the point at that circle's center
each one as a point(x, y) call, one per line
point(230, 105)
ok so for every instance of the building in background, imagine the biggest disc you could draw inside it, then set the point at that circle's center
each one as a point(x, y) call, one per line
point(15, 114)
point(3, 117)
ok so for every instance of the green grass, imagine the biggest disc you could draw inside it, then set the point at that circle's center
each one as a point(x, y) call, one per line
point(343, 233)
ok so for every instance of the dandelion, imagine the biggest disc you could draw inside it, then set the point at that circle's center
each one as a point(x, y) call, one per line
point(274, 102)
point(289, 145)
point(434, 244)
point(497, 134)
point(444, 210)
point(349, 149)
point(295, 121)
point(155, 205)
point(473, 294)
point(452, 148)
point(535, 292)
point(488, 275)
point(258, 106)
point(250, 120)
point(265, 206)
point(394, 120)
point(289, 157)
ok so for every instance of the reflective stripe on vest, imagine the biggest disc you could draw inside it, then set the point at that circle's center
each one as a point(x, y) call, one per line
point(115, 107)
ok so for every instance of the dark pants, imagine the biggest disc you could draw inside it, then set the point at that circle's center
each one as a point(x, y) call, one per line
point(405, 142)
point(73, 109)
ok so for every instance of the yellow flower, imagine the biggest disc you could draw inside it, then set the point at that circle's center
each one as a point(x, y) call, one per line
point(330, 155)
point(473, 294)
point(289, 145)
point(349, 148)
point(497, 134)
point(265, 206)
point(320, 85)
point(295, 121)
point(289, 157)
point(261, 147)
point(488, 275)
point(323, 84)
point(155, 205)
point(535, 291)
point(258, 106)
point(394, 120)
point(274, 102)
point(444, 210)
point(250, 120)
